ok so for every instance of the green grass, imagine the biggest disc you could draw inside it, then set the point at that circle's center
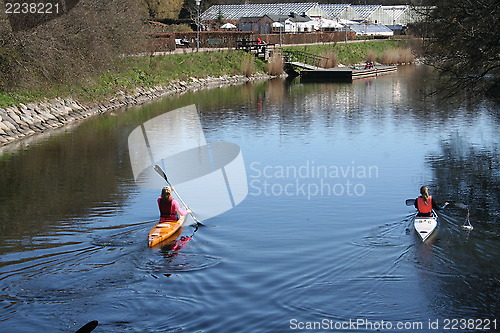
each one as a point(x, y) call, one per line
point(16, 97)
point(7, 99)
point(351, 53)
point(135, 72)
point(146, 71)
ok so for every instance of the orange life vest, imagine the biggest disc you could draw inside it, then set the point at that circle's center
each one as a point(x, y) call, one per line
point(423, 207)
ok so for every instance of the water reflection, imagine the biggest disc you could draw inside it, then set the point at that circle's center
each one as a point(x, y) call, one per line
point(271, 258)
point(465, 263)
point(470, 174)
point(72, 175)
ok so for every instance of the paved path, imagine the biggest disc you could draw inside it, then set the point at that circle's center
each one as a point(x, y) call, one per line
point(205, 49)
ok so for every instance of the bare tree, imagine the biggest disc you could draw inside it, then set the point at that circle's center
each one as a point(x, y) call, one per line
point(461, 39)
point(152, 7)
point(71, 47)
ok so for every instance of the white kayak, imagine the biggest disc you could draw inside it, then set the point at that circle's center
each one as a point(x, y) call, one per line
point(425, 225)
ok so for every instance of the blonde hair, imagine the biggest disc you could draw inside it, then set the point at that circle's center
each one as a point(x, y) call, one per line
point(424, 191)
point(166, 193)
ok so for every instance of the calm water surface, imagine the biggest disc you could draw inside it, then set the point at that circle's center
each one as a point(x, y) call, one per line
point(323, 236)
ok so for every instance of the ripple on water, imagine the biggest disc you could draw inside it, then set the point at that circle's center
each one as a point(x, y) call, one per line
point(371, 298)
point(122, 235)
point(364, 282)
point(175, 262)
point(387, 235)
point(126, 312)
point(122, 310)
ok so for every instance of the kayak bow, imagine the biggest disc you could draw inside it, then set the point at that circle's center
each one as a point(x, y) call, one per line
point(425, 225)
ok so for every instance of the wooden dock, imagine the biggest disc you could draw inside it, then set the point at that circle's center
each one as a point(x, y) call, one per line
point(343, 74)
point(308, 67)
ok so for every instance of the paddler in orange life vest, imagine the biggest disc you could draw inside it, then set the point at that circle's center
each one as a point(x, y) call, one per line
point(425, 203)
point(169, 207)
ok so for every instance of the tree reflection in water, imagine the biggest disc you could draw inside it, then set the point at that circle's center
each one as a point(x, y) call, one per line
point(469, 174)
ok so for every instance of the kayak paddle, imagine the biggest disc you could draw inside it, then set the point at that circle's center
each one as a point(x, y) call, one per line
point(88, 327)
point(410, 202)
point(467, 225)
point(454, 204)
point(159, 170)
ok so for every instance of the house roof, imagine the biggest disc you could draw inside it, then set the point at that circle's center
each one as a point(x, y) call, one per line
point(232, 12)
point(298, 18)
point(278, 18)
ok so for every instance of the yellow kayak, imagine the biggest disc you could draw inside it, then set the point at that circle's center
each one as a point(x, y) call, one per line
point(164, 230)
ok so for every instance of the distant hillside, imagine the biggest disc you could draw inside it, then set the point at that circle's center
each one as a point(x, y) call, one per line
point(162, 9)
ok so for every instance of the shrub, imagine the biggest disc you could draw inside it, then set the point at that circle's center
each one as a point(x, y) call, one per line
point(248, 66)
point(389, 57)
point(331, 60)
point(397, 56)
point(275, 65)
point(370, 56)
point(406, 56)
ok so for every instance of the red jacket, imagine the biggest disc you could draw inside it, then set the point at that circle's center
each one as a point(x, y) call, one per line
point(424, 208)
point(170, 209)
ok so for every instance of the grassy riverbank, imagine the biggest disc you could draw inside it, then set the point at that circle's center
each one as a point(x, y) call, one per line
point(150, 71)
point(354, 53)
point(142, 71)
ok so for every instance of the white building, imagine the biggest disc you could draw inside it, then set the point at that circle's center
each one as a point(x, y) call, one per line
point(398, 15)
point(276, 23)
point(235, 12)
point(289, 17)
point(340, 12)
point(373, 30)
point(371, 13)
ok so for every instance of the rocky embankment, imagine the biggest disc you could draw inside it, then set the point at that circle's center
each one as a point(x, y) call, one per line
point(22, 121)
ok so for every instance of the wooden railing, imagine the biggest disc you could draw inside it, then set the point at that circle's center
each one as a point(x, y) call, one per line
point(303, 57)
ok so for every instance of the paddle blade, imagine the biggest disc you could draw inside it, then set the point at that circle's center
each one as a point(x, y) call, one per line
point(410, 202)
point(89, 327)
point(458, 205)
point(159, 170)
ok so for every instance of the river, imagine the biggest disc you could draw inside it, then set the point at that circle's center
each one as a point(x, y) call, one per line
point(321, 241)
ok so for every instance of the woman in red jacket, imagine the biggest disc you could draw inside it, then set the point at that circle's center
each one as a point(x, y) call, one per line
point(170, 209)
point(425, 203)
